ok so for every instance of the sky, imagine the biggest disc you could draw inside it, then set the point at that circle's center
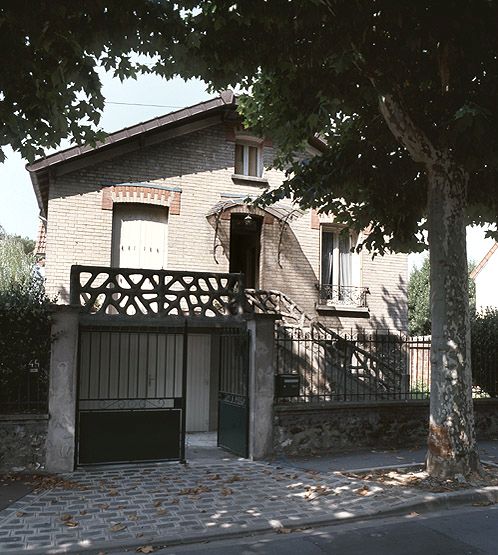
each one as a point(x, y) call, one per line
point(18, 206)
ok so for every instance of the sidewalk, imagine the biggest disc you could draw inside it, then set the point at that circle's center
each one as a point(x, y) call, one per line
point(212, 497)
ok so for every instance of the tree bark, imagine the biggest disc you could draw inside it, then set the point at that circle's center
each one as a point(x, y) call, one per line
point(452, 446)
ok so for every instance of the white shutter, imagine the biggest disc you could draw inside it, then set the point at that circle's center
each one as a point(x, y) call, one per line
point(140, 236)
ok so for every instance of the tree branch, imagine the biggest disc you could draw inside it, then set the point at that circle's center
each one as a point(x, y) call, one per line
point(405, 131)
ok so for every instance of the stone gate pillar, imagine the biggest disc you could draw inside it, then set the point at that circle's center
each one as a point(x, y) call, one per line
point(61, 434)
point(261, 384)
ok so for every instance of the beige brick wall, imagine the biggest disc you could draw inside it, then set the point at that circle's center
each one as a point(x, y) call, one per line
point(201, 165)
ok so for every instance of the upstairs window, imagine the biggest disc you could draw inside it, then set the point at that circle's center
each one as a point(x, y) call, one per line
point(248, 160)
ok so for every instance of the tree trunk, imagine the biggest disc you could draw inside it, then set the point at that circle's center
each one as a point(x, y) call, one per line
point(451, 442)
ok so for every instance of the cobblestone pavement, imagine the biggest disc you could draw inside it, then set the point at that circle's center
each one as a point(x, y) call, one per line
point(172, 501)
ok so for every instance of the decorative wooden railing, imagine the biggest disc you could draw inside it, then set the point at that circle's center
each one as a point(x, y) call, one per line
point(128, 291)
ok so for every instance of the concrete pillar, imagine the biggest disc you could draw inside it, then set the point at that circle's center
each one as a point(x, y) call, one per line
point(261, 384)
point(60, 446)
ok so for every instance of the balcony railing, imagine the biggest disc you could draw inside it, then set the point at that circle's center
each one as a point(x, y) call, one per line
point(343, 296)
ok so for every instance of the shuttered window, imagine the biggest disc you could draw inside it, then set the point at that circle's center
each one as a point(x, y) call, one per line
point(140, 236)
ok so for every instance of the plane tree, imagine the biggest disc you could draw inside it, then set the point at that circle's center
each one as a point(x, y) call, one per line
point(50, 88)
point(404, 95)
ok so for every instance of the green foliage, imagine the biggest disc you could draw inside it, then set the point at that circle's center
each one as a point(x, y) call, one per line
point(16, 266)
point(419, 301)
point(25, 328)
point(419, 309)
point(324, 67)
point(49, 85)
point(484, 328)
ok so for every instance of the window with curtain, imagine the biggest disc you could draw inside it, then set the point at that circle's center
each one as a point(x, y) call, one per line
point(248, 160)
point(336, 259)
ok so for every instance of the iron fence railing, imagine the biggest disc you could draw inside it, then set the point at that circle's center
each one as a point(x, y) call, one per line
point(342, 295)
point(368, 366)
point(24, 391)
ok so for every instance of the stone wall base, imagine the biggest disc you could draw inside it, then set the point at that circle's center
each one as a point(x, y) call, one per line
point(22, 441)
point(301, 430)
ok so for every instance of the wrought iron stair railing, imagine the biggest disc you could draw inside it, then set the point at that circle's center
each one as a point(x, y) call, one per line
point(332, 365)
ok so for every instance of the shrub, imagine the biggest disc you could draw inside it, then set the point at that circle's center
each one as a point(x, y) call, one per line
point(25, 327)
point(484, 331)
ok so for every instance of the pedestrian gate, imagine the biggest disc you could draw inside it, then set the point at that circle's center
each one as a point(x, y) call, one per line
point(233, 406)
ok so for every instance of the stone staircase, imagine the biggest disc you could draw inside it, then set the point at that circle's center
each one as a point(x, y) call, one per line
point(333, 365)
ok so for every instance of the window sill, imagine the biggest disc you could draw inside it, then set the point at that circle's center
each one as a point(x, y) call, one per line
point(250, 178)
point(333, 309)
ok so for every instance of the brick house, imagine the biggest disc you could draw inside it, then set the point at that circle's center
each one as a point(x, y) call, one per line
point(169, 193)
point(157, 216)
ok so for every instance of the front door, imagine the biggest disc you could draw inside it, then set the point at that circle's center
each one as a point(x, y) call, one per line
point(245, 246)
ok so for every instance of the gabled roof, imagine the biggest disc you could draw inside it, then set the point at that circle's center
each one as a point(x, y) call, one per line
point(142, 134)
point(40, 168)
point(484, 261)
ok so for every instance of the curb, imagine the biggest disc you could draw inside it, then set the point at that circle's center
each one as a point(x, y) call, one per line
point(434, 502)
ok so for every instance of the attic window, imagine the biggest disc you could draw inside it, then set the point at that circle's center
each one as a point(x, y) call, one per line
point(248, 160)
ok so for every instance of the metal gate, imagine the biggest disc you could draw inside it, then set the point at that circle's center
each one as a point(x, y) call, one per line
point(233, 399)
point(131, 395)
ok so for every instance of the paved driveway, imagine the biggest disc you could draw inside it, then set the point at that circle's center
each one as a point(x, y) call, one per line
point(173, 501)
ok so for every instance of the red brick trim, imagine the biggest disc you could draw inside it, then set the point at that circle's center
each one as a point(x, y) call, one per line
point(141, 195)
point(315, 219)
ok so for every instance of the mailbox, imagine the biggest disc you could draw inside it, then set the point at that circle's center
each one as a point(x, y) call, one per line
point(287, 385)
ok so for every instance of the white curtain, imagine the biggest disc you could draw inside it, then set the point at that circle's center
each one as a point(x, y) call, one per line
point(327, 257)
point(345, 261)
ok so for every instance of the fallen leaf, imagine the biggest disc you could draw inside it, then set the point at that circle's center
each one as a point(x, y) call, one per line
point(103, 506)
point(118, 507)
point(283, 530)
point(413, 513)
point(214, 477)
point(66, 516)
point(145, 549)
point(482, 503)
point(234, 478)
point(118, 527)
point(71, 523)
point(194, 491)
point(226, 491)
point(133, 517)
point(316, 491)
point(362, 491)
point(20, 514)
point(175, 501)
point(82, 512)
point(113, 492)
point(139, 534)
point(161, 512)
point(157, 503)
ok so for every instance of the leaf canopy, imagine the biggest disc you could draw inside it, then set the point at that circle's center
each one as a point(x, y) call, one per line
point(322, 66)
point(49, 84)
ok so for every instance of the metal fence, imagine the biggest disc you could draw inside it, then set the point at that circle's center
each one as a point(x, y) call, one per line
point(336, 366)
point(25, 391)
